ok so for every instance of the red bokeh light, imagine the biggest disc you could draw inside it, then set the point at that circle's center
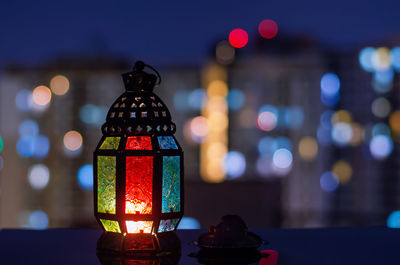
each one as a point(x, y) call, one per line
point(268, 28)
point(238, 38)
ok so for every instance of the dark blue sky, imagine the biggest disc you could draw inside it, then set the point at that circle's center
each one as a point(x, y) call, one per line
point(178, 31)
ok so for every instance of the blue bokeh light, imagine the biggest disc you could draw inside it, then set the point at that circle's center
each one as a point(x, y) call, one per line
point(326, 119)
point(38, 220)
point(28, 128)
point(384, 77)
point(26, 146)
point(41, 146)
point(328, 182)
point(365, 58)
point(294, 117)
point(85, 177)
point(197, 98)
point(330, 84)
point(395, 57)
point(181, 100)
point(23, 100)
point(381, 146)
point(266, 146)
point(234, 164)
point(380, 129)
point(324, 136)
point(393, 220)
point(91, 114)
point(330, 101)
point(188, 223)
point(235, 99)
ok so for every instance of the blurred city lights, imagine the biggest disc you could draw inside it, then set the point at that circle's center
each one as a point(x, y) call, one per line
point(217, 88)
point(293, 117)
point(308, 148)
point(42, 146)
point(342, 133)
point(326, 119)
point(380, 146)
point(268, 28)
point(381, 59)
point(235, 99)
point(342, 171)
point(384, 77)
point(365, 58)
point(395, 57)
point(330, 101)
point(341, 116)
point(267, 121)
point(234, 164)
point(393, 220)
point(59, 85)
point(197, 98)
point(328, 181)
point(283, 142)
point(41, 95)
point(224, 53)
point(394, 121)
point(381, 107)
point(380, 129)
point(381, 87)
point(357, 134)
point(188, 223)
point(282, 158)
point(38, 220)
point(238, 38)
point(72, 140)
point(38, 176)
point(28, 128)
point(330, 84)
point(181, 100)
point(85, 176)
point(199, 129)
point(1, 144)
point(324, 136)
point(267, 146)
point(26, 146)
point(91, 114)
point(24, 100)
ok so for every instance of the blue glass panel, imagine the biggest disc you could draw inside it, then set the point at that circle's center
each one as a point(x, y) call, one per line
point(167, 225)
point(171, 186)
point(167, 142)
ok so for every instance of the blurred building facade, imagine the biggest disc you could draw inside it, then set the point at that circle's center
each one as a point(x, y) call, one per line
point(284, 133)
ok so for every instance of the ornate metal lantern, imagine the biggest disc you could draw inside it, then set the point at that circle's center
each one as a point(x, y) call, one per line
point(138, 171)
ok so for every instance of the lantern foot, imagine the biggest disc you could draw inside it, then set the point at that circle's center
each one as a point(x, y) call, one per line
point(139, 244)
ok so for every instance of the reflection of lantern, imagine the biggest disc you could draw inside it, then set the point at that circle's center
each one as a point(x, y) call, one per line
point(138, 170)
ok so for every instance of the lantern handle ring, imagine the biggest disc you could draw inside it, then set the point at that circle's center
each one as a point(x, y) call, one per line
point(140, 65)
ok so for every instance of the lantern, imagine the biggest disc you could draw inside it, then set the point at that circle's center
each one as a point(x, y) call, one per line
point(138, 171)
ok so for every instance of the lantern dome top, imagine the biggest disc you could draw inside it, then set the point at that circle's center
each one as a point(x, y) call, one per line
point(139, 111)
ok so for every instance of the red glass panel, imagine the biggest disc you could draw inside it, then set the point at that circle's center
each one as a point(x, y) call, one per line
point(139, 184)
point(138, 143)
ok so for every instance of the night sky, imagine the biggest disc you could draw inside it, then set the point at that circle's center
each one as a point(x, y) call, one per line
point(179, 32)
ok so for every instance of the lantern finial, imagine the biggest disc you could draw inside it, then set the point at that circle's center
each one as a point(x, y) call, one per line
point(139, 80)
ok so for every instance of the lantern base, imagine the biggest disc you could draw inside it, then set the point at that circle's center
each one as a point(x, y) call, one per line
point(139, 244)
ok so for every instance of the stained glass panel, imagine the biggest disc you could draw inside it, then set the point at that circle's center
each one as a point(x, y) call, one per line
point(139, 226)
point(171, 186)
point(139, 184)
point(167, 225)
point(106, 184)
point(138, 143)
point(110, 143)
point(167, 142)
point(111, 226)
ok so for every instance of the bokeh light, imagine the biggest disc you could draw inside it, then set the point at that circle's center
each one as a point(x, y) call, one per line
point(199, 129)
point(330, 101)
point(24, 100)
point(282, 158)
point(41, 146)
point(59, 85)
point(41, 95)
point(342, 171)
point(324, 136)
point(365, 58)
point(238, 38)
point(330, 84)
point(217, 88)
point(308, 148)
point(326, 119)
point(393, 220)
point(91, 114)
point(267, 146)
point(188, 223)
point(264, 166)
point(235, 99)
point(342, 133)
point(38, 220)
point(266, 121)
point(395, 57)
point(384, 76)
point(380, 146)
point(394, 121)
point(72, 140)
point(28, 128)
point(381, 107)
point(328, 182)
point(234, 164)
point(85, 177)
point(26, 146)
point(357, 134)
point(197, 98)
point(268, 28)
point(224, 53)
point(1, 144)
point(380, 129)
point(39, 176)
point(341, 116)
point(381, 59)
point(181, 100)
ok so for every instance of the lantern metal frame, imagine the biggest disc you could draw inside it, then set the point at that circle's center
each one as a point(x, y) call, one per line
point(121, 122)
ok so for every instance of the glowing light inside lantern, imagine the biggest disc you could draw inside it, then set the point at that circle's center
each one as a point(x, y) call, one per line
point(139, 226)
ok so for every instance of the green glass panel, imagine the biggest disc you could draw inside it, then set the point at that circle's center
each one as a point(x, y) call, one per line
point(171, 186)
point(167, 142)
point(106, 168)
point(167, 225)
point(111, 226)
point(110, 143)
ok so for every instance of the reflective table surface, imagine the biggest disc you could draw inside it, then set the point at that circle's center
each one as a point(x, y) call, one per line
point(327, 246)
